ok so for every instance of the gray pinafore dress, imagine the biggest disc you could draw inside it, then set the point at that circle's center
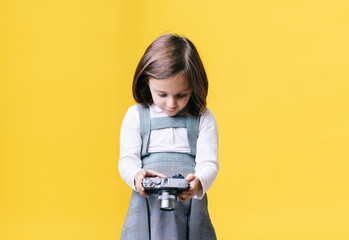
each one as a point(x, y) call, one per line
point(190, 220)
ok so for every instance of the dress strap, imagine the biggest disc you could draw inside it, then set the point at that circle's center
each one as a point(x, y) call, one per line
point(192, 124)
point(166, 122)
point(144, 120)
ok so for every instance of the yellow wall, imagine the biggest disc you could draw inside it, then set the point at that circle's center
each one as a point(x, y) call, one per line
point(278, 73)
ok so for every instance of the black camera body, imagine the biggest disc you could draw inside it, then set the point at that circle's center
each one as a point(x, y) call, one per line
point(167, 188)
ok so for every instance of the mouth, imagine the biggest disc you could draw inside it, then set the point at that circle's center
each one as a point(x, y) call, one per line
point(170, 110)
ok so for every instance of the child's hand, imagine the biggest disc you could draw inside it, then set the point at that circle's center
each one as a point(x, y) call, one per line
point(194, 186)
point(140, 175)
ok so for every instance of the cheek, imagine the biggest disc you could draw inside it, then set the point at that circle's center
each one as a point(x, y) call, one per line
point(157, 100)
point(153, 96)
point(183, 102)
point(186, 100)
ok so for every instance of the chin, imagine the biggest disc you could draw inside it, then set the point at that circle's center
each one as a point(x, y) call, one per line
point(171, 114)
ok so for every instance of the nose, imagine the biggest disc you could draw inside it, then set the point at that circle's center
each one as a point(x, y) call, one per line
point(171, 102)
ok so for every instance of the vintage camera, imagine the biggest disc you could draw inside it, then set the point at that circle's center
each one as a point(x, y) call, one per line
point(167, 188)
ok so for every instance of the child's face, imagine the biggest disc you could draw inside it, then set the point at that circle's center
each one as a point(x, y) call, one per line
point(171, 94)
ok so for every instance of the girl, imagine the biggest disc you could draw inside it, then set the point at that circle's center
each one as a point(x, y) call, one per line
point(170, 131)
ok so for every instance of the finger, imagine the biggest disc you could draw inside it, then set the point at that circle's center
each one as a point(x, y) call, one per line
point(138, 180)
point(141, 190)
point(184, 198)
point(140, 175)
point(191, 188)
point(152, 173)
point(187, 193)
point(140, 187)
point(144, 194)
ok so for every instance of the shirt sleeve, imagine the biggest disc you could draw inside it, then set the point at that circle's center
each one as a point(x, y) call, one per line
point(130, 147)
point(207, 152)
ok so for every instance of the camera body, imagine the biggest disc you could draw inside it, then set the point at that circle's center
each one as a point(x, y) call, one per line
point(167, 188)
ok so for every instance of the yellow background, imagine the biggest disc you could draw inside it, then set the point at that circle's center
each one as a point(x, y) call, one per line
point(278, 73)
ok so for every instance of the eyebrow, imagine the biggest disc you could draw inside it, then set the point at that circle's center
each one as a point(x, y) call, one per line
point(185, 91)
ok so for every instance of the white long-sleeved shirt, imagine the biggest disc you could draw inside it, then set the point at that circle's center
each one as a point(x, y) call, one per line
point(169, 140)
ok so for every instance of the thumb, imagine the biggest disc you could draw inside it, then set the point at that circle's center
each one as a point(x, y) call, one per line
point(143, 172)
point(190, 177)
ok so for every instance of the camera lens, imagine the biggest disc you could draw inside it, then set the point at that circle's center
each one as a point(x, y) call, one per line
point(167, 200)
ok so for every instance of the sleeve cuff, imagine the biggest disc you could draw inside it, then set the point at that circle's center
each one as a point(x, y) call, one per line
point(200, 193)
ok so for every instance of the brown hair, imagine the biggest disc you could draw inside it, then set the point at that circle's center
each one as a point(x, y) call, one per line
point(167, 56)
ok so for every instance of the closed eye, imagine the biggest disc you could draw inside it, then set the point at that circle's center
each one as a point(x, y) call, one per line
point(182, 95)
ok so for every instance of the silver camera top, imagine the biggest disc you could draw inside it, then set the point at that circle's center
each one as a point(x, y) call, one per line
point(157, 183)
point(167, 188)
